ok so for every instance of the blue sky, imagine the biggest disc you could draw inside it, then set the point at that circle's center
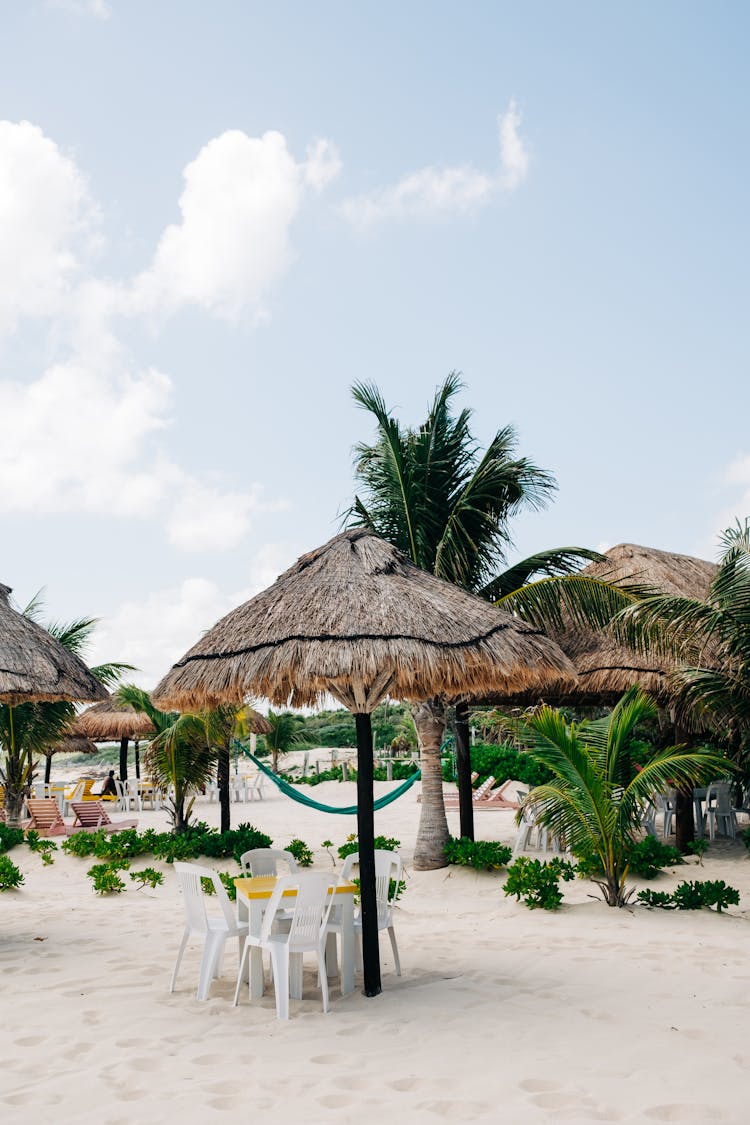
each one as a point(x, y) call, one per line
point(215, 218)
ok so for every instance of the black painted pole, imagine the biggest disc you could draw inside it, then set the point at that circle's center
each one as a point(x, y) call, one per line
point(137, 761)
point(124, 759)
point(366, 835)
point(463, 771)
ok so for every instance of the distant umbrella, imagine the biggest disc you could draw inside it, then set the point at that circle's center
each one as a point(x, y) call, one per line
point(355, 619)
point(113, 722)
point(70, 745)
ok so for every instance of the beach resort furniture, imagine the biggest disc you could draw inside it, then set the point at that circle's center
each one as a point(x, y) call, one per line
point(483, 798)
point(313, 895)
point(254, 896)
point(265, 861)
point(90, 816)
point(211, 918)
point(530, 828)
point(46, 818)
point(719, 813)
point(387, 867)
point(665, 804)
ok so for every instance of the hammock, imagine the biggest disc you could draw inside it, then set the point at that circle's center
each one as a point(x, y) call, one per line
point(347, 810)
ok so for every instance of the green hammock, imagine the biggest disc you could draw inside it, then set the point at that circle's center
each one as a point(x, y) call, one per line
point(348, 810)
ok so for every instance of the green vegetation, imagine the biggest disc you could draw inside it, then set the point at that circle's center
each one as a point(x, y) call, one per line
point(148, 877)
point(699, 847)
point(43, 848)
point(644, 858)
point(382, 843)
point(693, 896)
point(10, 837)
point(301, 852)
point(595, 798)
point(504, 762)
point(537, 882)
point(484, 855)
point(10, 875)
point(198, 840)
point(106, 879)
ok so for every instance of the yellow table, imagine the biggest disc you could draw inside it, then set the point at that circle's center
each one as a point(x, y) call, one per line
point(253, 894)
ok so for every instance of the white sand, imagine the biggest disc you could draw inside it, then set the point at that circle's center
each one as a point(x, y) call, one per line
point(502, 1014)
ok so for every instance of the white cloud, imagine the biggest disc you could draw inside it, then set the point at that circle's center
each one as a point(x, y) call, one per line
point(152, 634)
point(434, 192)
point(232, 243)
point(46, 223)
point(205, 518)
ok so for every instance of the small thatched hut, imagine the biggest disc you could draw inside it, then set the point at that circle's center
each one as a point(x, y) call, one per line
point(115, 722)
point(70, 745)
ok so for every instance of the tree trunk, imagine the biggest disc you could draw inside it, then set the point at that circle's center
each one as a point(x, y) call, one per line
point(124, 759)
point(683, 813)
point(47, 768)
point(366, 843)
point(463, 771)
point(222, 779)
point(432, 835)
point(274, 759)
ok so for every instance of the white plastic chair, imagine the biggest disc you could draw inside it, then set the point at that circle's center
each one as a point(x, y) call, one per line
point(387, 866)
point(265, 861)
point(665, 803)
point(306, 933)
point(719, 813)
point(215, 928)
point(255, 786)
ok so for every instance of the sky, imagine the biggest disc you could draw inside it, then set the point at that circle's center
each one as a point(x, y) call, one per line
point(215, 218)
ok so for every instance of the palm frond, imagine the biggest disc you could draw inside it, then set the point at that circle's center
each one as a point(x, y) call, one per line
point(554, 563)
point(580, 599)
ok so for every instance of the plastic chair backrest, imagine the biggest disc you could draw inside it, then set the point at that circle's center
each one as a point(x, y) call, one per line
point(387, 866)
point(265, 861)
point(718, 797)
point(311, 907)
point(194, 897)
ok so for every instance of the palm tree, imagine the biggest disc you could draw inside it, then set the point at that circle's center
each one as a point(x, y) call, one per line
point(283, 737)
point(594, 800)
point(448, 507)
point(28, 729)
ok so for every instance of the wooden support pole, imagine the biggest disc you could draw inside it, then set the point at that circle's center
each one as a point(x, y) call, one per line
point(463, 771)
point(366, 836)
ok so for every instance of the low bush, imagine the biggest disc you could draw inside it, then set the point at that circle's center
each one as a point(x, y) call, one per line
point(199, 840)
point(382, 843)
point(648, 856)
point(301, 852)
point(503, 762)
point(484, 855)
point(10, 837)
point(106, 879)
point(699, 847)
point(10, 875)
point(693, 896)
point(148, 877)
point(537, 883)
point(43, 848)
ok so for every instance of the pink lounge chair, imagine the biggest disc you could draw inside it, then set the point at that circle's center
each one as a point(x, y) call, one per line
point(92, 816)
point(46, 818)
point(487, 798)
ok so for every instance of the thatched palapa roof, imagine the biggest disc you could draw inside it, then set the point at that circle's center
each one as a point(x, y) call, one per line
point(110, 721)
point(357, 619)
point(72, 745)
point(606, 669)
point(35, 666)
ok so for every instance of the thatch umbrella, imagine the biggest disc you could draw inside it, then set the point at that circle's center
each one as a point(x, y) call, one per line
point(34, 667)
point(355, 619)
point(69, 745)
point(605, 668)
point(112, 722)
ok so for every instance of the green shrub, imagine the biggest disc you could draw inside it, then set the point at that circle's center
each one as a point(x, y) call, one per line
point(301, 852)
point(82, 844)
point(382, 843)
point(537, 883)
point(503, 762)
point(693, 896)
point(484, 855)
point(106, 879)
point(648, 856)
point(148, 877)
point(10, 875)
point(395, 889)
point(228, 881)
point(9, 837)
point(699, 847)
point(44, 848)
point(198, 840)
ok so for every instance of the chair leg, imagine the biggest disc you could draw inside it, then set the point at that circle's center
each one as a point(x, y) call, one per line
point(322, 977)
point(180, 952)
point(394, 947)
point(280, 963)
point(211, 953)
point(295, 976)
point(243, 959)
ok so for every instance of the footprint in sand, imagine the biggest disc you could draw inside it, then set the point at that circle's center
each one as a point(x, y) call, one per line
point(326, 1060)
point(678, 1111)
point(29, 1041)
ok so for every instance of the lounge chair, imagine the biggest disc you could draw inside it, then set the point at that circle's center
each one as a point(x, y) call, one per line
point(450, 795)
point(46, 818)
point(90, 816)
point(485, 797)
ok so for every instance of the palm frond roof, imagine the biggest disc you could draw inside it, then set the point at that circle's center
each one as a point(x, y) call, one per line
point(36, 667)
point(356, 619)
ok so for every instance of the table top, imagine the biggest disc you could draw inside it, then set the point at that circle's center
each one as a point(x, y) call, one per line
point(261, 886)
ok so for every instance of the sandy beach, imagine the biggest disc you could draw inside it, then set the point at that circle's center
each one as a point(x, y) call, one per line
point(502, 1014)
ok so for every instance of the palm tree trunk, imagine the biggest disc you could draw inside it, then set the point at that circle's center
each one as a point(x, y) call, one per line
point(222, 780)
point(463, 771)
point(432, 835)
